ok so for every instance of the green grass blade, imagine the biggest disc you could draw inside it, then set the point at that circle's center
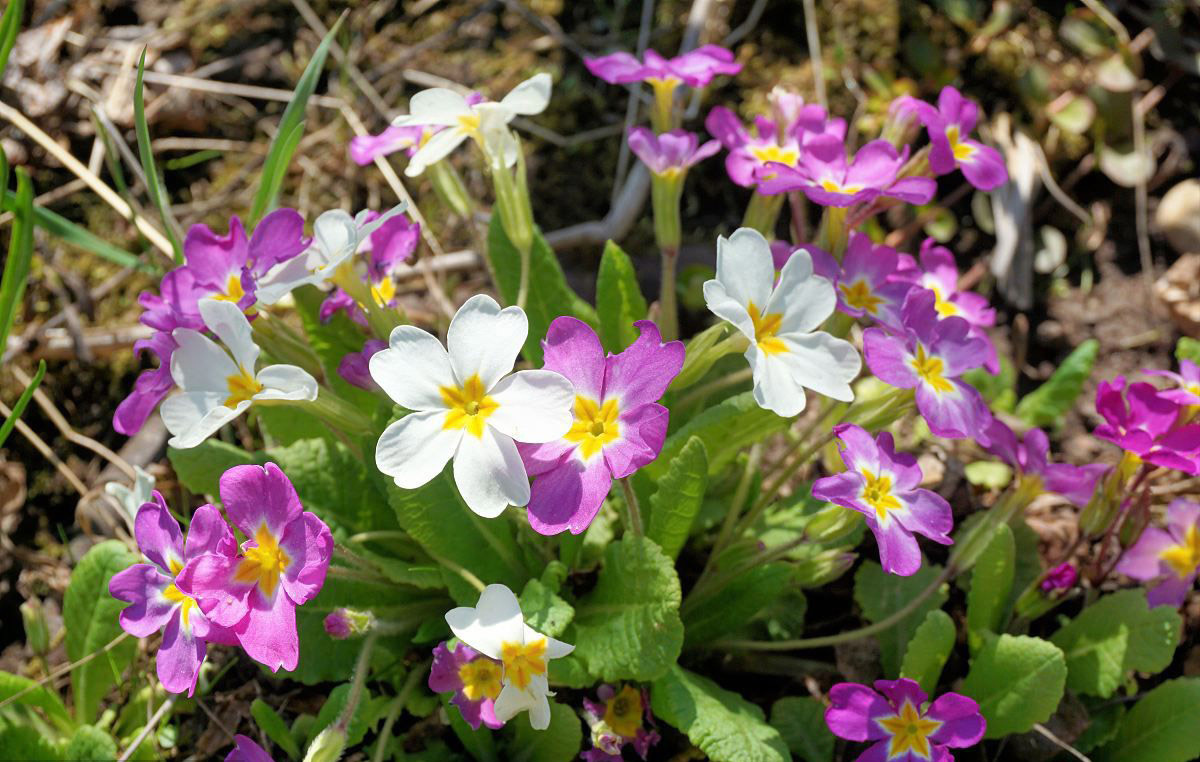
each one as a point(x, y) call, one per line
point(20, 253)
point(73, 234)
point(291, 128)
point(153, 186)
point(11, 421)
point(10, 26)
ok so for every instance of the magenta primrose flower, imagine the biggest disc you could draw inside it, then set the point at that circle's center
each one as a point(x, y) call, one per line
point(617, 720)
point(355, 366)
point(828, 178)
point(695, 68)
point(282, 565)
point(246, 750)
point(892, 717)
point(618, 428)
point(161, 601)
point(1188, 378)
point(929, 356)
point(1168, 556)
point(1030, 458)
point(948, 126)
point(388, 246)
point(881, 484)
point(864, 282)
point(1141, 421)
point(408, 138)
point(782, 142)
point(474, 679)
point(671, 153)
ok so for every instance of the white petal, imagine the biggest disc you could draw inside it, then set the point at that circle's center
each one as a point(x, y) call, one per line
point(822, 363)
point(437, 105)
point(286, 382)
point(435, 149)
point(724, 306)
point(745, 267)
point(335, 239)
point(496, 619)
point(804, 299)
point(489, 473)
point(535, 406)
point(229, 323)
point(512, 701)
point(283, 278)
point(366, 228)
point(193, 417)
point(413, 369)
point(485, 340)
point(775, 388)
point(539, 712)
point(530, 97)
point(555, 649)
point(199, 364)
point(415, 448)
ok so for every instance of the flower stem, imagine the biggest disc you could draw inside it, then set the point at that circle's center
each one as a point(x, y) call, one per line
point(668, 310)
point(395, 708)
point(361, 667)
point(699, 393)
point(635, 511)
point(762, 213)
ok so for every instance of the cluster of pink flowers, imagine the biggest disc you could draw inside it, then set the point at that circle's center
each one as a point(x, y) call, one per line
point(1157, 426)
point(205, 590)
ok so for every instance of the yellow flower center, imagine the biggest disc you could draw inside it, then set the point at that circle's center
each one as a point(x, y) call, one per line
point(242, 387)
point(595, 425)
point(1183, 559)
point(523, 662)
point(623, 713)
point(480, 678)
point(930, 368)
point(775, 152)
point(766, 326)
point(186, 603)
point(944, 308)
point(384, 291)
point(263, 563)
point(910, 732)
point(834, 186)
point(468, 406)
point(469, 123)
point(877, 493)
point(664, 87)
point(1192, 389)
point(859, 296)
point(233, 290)
point(962, 151)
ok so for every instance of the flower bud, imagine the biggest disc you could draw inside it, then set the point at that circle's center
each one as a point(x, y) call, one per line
point(1059, 578)
point(327, 746)
point(348, 623)
point(37, 632)
point(832, 523)
point(823, 567)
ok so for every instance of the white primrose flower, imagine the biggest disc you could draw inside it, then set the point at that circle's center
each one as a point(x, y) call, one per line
point(446, 108)
point(133, 497)
point(336, 237)
point(496, 628)
point(468, 405)
point(786, 354)
point(218, 383)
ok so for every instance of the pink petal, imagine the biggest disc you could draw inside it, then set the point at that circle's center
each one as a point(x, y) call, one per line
point(570, 496)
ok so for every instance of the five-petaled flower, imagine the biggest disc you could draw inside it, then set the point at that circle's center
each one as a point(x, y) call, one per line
point(696, 68)
point(1139, 419)
point(903, 729)
point(671, 153)
point(618, 427)
point(881, 484)
point(496, 628)
point(468, 405)
point(282, 565)
point(865, 287)
point(1168, 556)
point(948, 126)
point(158, 596)
point(1030, 458)
point(786, 353)
point(474, 679)
point(929, 356)
point(619, 719)
point(828, 178)
point(781, 141)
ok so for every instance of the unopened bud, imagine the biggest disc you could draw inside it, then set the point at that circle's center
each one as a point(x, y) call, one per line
point(348, 623)
point(832, 523)
point(823, 567)
point(37, 632)
point(327, 746)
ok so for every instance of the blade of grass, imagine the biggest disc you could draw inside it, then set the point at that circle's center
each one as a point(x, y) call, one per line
point(291, 128)
point(20, 252)
point(80, 237)
point(153, 186)
point(10, 26)
point(23, 401)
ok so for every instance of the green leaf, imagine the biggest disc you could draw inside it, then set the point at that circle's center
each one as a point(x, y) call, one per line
point(801, 723)
point(880, 595)
point(1047, 404)
point(680, 493)
point(722, 724)
point(332, 340)
point(366, 715)
point(22, 402)
point(336, 484)
point(560, 742)
point(928, 650)
point(549, 295)
point(1187, 348)
point(725, 429)
point(24, 742)
point(10, 27)
point(90, 743)
point(991, 586)
point(619, 299)
point(736, 604)
point(79, 237)
point(1160, 727)
point(480, 743)
point(269, 722)
point(436, 517)
point(1102, 728)
point(703, 350)
point(90, 617)
point(627, 627)
point(146, 155)
point(38, 696)
point(1117, 634)
point(1018, 682)
point(291, 128)
point(20, 254)
point(199, 468)
point(544, 610)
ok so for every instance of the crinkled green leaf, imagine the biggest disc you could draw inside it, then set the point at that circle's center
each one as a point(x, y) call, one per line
point(628, 627)
point(199, 468)
point(1018, 682)
point(736, 604)
point(680, 493)
point(1161, 726)
point(619, 300)
point(929, 649)
point(336, 484)
point(544, 610)
point(991, 586)
point(880, 594)
point(90, 743)
point(1047, 404)
point(725, 429)
point(561, 742)
point(800, 720)
point(721, 723)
